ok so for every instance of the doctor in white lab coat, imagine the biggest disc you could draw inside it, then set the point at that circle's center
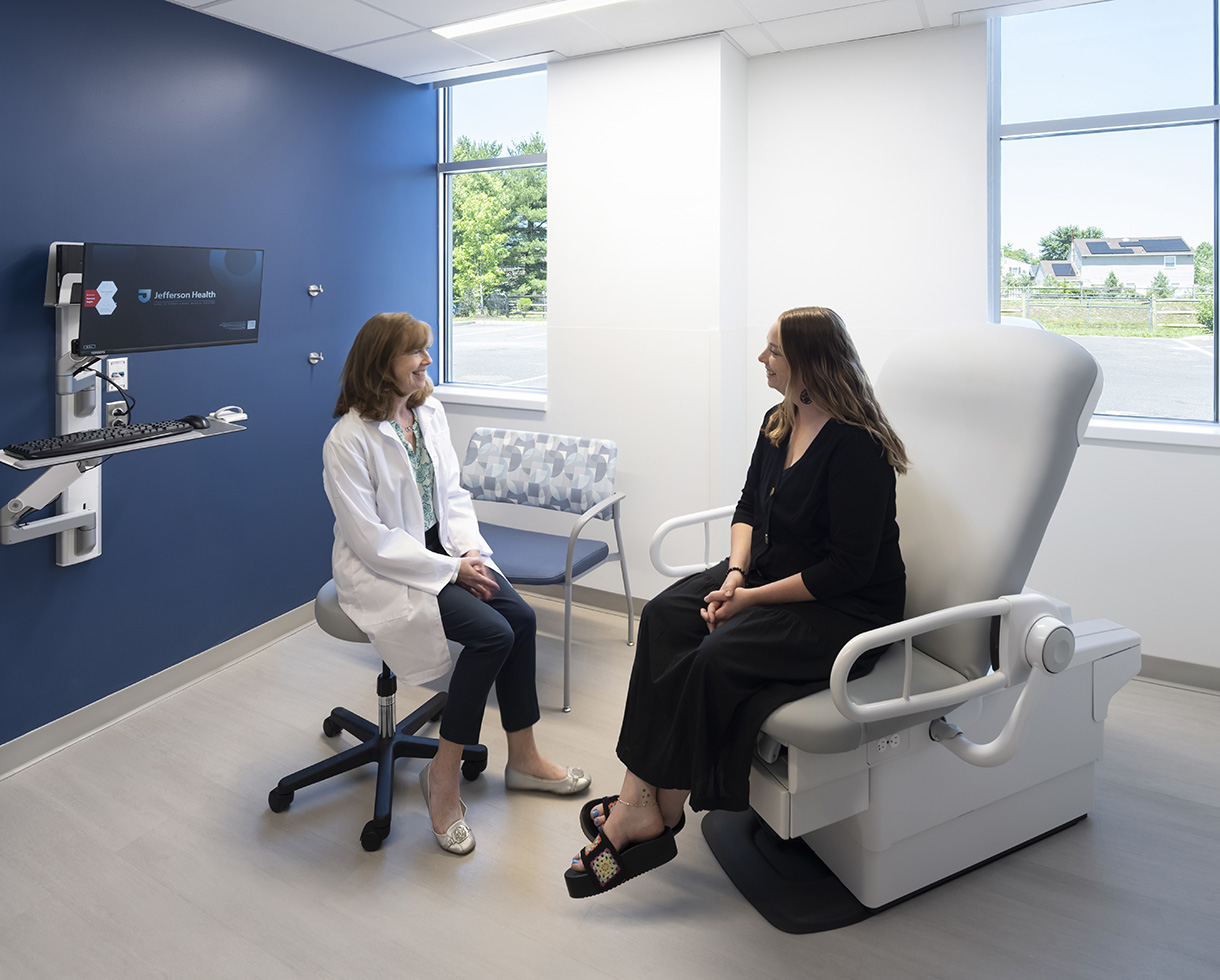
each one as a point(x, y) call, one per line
point(411, 568)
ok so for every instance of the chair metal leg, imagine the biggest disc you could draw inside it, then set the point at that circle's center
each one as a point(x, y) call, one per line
point(567, 643)
point(622, 564)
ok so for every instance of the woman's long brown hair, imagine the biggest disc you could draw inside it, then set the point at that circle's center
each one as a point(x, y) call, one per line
point(367, 383)
point(823, 360)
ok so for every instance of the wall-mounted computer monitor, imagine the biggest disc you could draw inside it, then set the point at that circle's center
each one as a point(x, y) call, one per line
point(166, 297)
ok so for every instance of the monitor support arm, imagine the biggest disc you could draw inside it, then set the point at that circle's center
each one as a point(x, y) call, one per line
point(48, 487)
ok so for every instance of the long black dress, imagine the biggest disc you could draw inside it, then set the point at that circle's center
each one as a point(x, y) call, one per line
point(696, 700)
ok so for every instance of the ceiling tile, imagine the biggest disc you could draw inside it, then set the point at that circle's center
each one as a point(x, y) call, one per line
point(568, 35)
point(940, 12)
point(649, 21)
point(778, 9)
point(943, 13)
point(846, 24)
point(412, 54)
point(752, 40)
point(320, 24)
point(429, 13)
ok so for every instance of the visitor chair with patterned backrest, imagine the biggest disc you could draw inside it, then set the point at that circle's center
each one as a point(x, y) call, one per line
point(570, 474)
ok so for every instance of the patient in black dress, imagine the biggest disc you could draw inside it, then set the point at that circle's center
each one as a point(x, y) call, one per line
point(814, 561)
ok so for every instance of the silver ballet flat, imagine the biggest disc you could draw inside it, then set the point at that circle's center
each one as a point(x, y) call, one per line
point(574, 782)
point(459, 838)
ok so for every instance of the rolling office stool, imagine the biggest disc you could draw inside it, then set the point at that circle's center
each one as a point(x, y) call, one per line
point(382, 743)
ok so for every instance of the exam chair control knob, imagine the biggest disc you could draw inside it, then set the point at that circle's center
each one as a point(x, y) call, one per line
point(1050, 645)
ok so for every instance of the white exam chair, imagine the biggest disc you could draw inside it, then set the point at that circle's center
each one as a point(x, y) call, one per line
point(977, 731)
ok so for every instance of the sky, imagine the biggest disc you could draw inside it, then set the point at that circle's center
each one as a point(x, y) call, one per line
point(1116, 56)
point(508, 110)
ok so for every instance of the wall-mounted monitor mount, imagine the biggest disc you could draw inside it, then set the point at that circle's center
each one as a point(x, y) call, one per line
point(118, 299)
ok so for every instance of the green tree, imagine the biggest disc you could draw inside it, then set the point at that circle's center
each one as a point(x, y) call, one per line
point(1058, 243)
point(479, 242)
point(1204, 264)
point(1204, 271)
point(1205, 314)
point(523, 193)
point(464, 148)
point(1112, 285)
point(1020, 254)
point(499, 227)
point(1160, 287)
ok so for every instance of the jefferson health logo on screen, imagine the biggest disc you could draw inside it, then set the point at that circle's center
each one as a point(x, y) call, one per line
point(102, 298)
point(144, 295)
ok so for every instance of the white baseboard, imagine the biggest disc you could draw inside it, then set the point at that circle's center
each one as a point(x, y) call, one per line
point(29, 748)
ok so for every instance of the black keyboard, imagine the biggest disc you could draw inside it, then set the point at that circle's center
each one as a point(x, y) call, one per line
point(99, 441)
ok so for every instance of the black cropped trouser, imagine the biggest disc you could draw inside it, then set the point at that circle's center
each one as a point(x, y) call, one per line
point(498, 647)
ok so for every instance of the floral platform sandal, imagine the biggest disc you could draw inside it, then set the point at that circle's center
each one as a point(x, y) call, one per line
point(606, 866)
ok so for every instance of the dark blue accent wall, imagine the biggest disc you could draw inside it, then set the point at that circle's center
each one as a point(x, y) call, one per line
point(141, 121)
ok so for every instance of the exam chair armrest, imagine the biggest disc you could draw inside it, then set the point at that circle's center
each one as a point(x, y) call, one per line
point(704, 517)
point(1030, 635)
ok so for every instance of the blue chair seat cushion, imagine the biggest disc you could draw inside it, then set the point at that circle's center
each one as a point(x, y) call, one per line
point(536, 558)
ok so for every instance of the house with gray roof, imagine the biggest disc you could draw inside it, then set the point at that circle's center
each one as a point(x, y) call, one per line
point(1053, 268)
point(1135, 262)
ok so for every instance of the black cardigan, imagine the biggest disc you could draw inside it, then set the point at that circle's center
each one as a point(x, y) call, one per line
point(829, 517)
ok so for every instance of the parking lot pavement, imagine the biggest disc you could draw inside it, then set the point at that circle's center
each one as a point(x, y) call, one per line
point(1151, 377)
point(500, 352)
point(1155, 377)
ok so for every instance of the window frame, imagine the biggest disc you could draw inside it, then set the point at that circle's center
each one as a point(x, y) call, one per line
point(447, 390)
point(1131, 431)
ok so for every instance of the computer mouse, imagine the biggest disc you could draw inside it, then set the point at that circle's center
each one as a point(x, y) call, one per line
point(197, 421)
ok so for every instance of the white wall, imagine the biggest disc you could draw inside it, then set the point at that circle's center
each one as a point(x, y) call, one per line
point(1135, 540)
point(868, 184)
point(646, 295)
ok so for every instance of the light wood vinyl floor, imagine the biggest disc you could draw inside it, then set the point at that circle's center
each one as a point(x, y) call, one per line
point(147, 850)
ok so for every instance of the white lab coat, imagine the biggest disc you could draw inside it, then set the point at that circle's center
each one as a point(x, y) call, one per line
point(386, 579)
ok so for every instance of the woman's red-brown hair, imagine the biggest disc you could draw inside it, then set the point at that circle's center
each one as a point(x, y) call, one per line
point(367, 383)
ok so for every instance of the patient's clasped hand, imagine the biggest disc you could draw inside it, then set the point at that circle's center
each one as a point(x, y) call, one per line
point(411, 568)
point(814, 560)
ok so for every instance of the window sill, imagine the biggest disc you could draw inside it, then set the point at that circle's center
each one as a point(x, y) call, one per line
point(1168, 434)
point(486, 396)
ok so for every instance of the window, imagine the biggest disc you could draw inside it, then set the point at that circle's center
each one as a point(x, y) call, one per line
point(1095, 104)
point(493, 189)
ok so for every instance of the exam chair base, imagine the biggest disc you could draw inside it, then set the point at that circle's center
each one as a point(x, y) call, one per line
point(784, 880)
point(384, 750)
point(788, 884)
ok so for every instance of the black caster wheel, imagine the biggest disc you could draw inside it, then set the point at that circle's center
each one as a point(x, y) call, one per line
point(371, 837)
point(471, 769)
point(330, 728)
point(278, 800)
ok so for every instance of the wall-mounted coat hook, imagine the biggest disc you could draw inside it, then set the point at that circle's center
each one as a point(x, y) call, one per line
point(315, 357)
point(315, 291)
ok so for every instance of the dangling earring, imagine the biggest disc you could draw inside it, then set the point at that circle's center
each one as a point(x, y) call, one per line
point(805, 399)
